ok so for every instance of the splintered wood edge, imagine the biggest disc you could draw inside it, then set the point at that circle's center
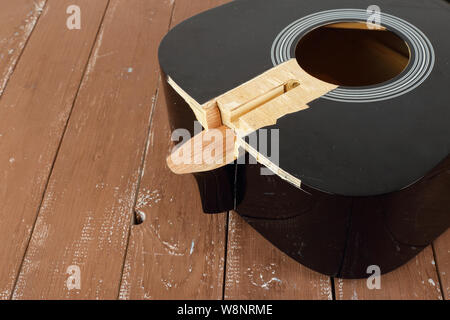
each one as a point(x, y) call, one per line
point(268, 164)
point(208, 115)
point(293, 100)
point(219, 111)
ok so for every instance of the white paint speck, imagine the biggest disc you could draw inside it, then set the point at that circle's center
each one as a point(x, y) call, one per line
point(192, 247)
point(18, 41)
point(130, 70)
point(430, 281)
point(147, 198)
point(266, 285)
point(12, 160)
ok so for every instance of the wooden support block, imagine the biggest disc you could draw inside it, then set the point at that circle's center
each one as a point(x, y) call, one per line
point(285, 80)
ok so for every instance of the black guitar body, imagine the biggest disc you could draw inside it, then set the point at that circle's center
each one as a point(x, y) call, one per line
point(374, 163)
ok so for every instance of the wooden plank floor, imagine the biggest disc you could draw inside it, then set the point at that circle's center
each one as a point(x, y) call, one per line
point(83, 139)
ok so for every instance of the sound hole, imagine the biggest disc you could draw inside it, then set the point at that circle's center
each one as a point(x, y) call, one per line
point(350, 54)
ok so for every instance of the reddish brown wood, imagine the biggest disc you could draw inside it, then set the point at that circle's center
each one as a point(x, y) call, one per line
point(184, 9)
point(17, 21)
point(415, 280)
point(86, 213)
point(257, 270)
point(442, 256)
point(33, 113)
point(177, 252)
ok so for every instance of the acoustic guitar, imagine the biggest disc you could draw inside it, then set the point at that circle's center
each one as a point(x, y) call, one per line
point(325, 124)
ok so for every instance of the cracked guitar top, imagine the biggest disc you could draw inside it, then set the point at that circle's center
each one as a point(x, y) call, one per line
point(326, 124)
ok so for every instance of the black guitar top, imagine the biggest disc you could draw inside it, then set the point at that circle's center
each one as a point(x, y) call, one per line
point(355, 141)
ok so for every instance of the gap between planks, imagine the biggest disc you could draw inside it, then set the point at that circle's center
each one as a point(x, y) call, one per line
point(13, 39)
point(98, 277)
point(33, 129)
point(177, 252)
point(59, 145)
point(141, 165)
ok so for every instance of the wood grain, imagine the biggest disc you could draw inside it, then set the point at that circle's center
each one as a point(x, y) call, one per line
point(87, 209)
point(415, 280)
point(177, 252)
point(33, 113)
point(208, 114)
point(254, 93)
point(206, 151)
point(17, 21)
point(442, 256)
point(257, 270)
point(86, 212)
